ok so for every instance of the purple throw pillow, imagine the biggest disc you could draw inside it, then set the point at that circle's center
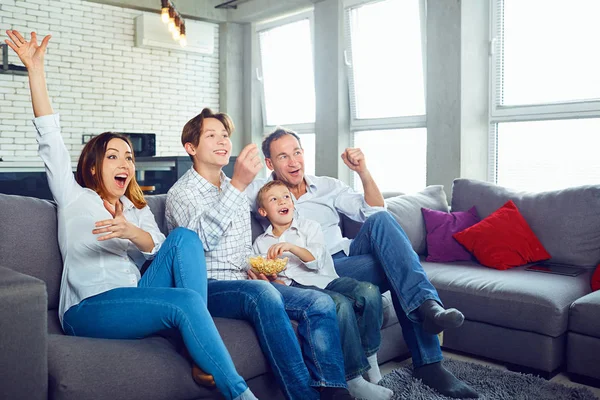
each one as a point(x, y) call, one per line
point(440, 226)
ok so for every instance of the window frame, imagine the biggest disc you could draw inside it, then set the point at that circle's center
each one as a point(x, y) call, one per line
point(365, 124)
point(268, 25)
point(389, 123)
point(499, 113)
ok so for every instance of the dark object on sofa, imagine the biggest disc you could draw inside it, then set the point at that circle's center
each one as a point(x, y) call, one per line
point(85, 368)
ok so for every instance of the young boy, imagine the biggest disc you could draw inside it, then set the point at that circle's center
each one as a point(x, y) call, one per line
point(310, 266)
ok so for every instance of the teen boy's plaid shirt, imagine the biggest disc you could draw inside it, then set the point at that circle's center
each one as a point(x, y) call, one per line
point(220, 217)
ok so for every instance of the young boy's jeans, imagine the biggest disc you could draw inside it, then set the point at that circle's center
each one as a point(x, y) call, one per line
point(360, 316)
point(298, 367)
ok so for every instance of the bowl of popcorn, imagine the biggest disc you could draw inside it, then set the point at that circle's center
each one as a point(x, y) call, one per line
point(267, 266)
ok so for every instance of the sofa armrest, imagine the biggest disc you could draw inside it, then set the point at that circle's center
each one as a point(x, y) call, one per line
point(23, 336)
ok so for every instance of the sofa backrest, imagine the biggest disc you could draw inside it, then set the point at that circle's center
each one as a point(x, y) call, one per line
point(567, 221)
point(157, 204)
point(29, 241)
point(29, 237)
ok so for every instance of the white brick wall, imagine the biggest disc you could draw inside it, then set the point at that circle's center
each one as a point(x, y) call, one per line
point(99, 81)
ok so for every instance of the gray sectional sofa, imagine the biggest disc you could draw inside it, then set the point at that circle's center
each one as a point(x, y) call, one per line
point(532, 322)
point(517, 316)
point(528, 320)
point(37, 361)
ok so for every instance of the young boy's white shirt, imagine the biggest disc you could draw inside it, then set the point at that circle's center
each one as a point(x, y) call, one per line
point(307, 234)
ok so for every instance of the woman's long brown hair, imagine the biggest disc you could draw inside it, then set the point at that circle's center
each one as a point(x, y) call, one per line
point(92, 157)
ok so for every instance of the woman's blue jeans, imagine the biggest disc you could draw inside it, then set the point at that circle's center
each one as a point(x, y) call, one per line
point(360, 316)
point(382, 254)
point(171, 294)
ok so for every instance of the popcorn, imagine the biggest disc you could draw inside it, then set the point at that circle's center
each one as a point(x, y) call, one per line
point(268, 267)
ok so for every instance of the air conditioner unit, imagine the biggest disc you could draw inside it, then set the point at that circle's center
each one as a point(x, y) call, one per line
point(150, 31)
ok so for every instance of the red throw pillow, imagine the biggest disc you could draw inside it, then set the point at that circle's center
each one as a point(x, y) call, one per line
point(503, 240)
point(596, 279)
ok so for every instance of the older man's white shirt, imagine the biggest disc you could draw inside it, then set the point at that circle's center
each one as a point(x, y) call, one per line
point(324, 200)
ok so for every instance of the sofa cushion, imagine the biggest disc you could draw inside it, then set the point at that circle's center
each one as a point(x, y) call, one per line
point(406, 209)
point(80, 367)
point(389, 314)
point(54, 326)
point(23, 361)
point(596, 279)
point(503, 239)
point(584, 315)
point(30, 245)
point(350, 227)
point(567, 222)
point(149, 368)
point(157, 205)
point(440, 226)
point(515, 298)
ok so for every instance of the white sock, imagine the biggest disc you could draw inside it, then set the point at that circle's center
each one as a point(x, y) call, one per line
point(374, 374)
point(361, 389)
point(246, 395)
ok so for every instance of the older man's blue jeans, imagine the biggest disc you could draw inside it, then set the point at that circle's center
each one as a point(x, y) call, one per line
point(317, 362)
point(382, 254)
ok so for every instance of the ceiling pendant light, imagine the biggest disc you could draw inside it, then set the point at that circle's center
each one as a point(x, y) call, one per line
point(170, 16)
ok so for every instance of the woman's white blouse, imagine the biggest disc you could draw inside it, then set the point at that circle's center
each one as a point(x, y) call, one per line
point(90, 266)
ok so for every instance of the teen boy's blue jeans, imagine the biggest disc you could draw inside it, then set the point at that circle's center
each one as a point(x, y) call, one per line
point(360, 316)
point(171, 294)
point(298, 368)
point(382, 254)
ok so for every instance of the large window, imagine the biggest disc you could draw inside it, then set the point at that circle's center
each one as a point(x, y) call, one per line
point(385, 64)
point(545, 93)
point(286, 73)
point(545, 155)
point(308, 144)
point(396, 155)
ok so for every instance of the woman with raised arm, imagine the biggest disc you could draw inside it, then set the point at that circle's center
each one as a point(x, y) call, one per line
point(106, 231)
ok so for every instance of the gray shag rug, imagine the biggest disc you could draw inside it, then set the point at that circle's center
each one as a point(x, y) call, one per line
point(491, 384)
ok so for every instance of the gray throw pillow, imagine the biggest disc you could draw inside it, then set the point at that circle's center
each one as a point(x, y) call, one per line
point(406, 209)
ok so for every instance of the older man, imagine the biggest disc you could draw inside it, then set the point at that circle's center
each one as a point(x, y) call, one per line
point(381, 253)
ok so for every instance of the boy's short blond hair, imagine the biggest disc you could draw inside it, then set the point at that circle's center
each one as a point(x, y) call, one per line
point(263, 190)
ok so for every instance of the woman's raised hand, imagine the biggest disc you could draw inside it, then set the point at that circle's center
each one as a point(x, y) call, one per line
point(30, 53)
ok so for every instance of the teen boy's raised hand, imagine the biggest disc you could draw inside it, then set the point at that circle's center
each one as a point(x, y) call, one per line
point(246, 167)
